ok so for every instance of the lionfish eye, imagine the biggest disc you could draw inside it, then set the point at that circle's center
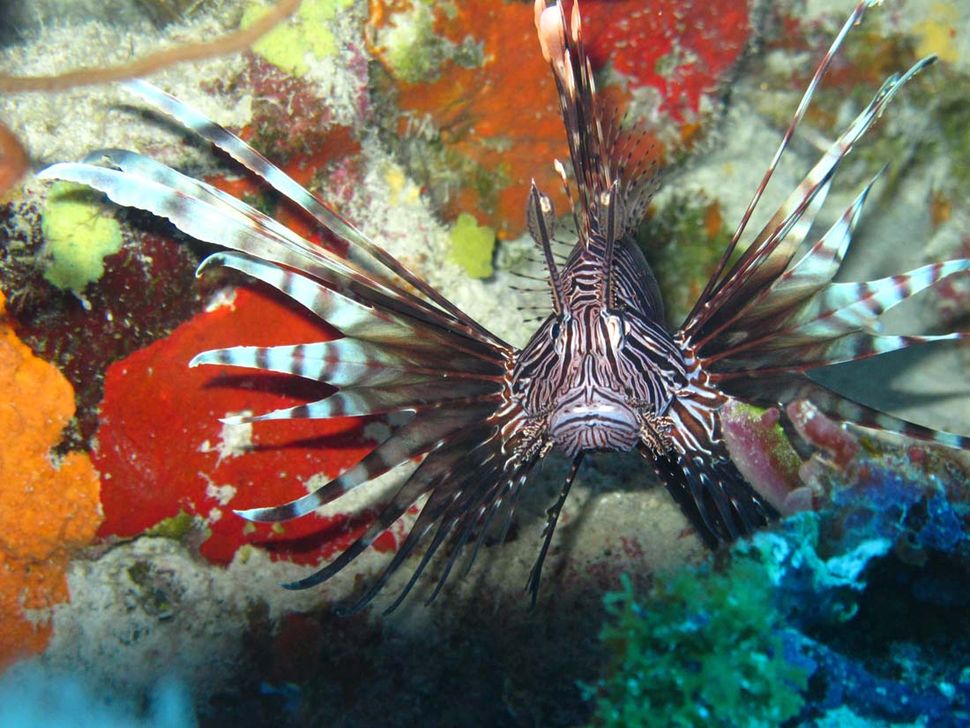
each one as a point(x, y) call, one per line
point(556, 329)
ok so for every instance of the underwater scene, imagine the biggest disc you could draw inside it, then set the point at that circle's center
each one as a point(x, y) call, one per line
point(484, 363)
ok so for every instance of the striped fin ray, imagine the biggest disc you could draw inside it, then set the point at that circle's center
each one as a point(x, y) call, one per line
point(842, 307)
point(561, 41)
point(349, 362)
point(450, 517)
point(362, 320)
point(771, 390)
point(347, 315)
point(601, 156)
point(838, 323)
point(413, 439)
point(287, 186)
point(364, 401)
point(772, 251)
point(822, 261)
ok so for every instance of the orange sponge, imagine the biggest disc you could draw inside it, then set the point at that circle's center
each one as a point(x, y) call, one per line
point(47, 508)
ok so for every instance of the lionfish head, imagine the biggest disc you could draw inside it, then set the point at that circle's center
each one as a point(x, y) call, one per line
point(562, 379)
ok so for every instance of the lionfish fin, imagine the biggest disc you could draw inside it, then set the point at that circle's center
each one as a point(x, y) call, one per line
point(854, 19)
point(600, 154)
point(363, 401)
point(552, 518)
point(541, 221)
point(458, 419)
point(763, 325)
point(700, 476)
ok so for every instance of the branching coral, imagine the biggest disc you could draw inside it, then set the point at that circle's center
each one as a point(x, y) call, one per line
point(46, 510)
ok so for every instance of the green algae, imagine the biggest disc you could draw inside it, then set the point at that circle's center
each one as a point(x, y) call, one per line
point(308, 34)
point(472, 246)
point(79, 233)
point(414, 53)
point(175, 527)
point(703, 648)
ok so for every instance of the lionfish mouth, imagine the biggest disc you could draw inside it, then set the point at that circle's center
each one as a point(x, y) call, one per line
point(595, 426)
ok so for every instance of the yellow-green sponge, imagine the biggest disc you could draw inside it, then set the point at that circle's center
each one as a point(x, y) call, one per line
point(308, 34)
point(79, 232)
point(472, 246)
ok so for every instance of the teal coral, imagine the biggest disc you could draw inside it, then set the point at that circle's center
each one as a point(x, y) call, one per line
point(704, 648)
point(79, 234)
point(472, 246)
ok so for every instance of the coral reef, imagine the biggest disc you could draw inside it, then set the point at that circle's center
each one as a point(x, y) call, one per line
point(47, 510)
point(853, 610)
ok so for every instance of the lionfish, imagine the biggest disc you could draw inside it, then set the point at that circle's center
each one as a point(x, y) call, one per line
point(601, 373)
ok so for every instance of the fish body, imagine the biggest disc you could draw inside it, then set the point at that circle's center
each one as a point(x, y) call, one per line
point(601, 373)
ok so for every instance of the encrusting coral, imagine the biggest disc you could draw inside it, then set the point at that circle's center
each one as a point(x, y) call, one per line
point(46, 509)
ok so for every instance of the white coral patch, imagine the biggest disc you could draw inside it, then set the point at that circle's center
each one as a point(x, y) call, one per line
point(234, 439)
point(222, 494)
